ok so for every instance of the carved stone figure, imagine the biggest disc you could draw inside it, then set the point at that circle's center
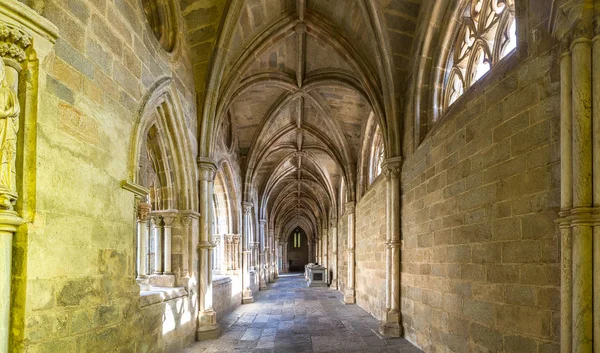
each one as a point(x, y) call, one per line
point(9, 126)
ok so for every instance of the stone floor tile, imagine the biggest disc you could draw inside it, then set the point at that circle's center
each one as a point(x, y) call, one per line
point(290, 318)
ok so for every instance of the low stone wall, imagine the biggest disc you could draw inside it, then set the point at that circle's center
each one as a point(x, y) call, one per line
point(171, 307)
point(227, 294)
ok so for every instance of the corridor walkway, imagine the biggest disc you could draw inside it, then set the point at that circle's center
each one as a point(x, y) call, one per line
point(290, 318)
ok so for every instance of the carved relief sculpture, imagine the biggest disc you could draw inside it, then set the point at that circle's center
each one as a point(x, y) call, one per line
point(9, 126)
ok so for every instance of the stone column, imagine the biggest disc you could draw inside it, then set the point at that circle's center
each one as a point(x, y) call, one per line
point(280, 257)
point(334, 260)
point(596, 179)
point(208, 327)
point(157, 220)
point(580, 177)
point(262, 273)
point(168, 219)
point(246, 226)
point(272, 252)
point(186, 220)
point(9, 221)
point(237, 252)
point(286, 264)
point(566, 201)
point(325, 249)
point(350, 293)
point(142, 230)
point(391, 324)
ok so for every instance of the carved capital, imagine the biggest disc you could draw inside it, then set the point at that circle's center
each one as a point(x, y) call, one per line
point(143, 211)
point(186, 221)
point(156, 218)
point(206, 169)
point(247, 207)
point(14, 42)
point(572, 18)
point(392, 167)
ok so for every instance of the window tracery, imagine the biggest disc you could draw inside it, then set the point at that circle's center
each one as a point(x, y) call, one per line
point(486, 35)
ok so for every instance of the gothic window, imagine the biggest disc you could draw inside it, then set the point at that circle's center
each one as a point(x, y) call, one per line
point(487, 33)
point(377, 156)
point(297, 243)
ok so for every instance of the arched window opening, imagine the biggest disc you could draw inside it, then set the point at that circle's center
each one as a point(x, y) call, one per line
point(223, 252)
point(377, 156)
point(297, 241)
point(149, 177)
point(486, 35)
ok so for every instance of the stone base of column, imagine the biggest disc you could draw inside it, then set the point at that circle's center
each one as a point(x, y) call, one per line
point(143, 283)
point(247, 297)
point(349, 297)
point(208, 329)
point(162, 280)
point(391, 326)
point(333, 285)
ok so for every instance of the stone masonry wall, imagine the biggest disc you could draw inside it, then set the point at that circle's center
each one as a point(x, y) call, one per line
point(79, 256)
point(480, 256)
point(370, 249)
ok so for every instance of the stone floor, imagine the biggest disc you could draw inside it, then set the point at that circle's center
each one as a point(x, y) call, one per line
point(290, 318)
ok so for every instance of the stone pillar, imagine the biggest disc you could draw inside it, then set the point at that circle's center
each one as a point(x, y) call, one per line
point(391, 324)
point(350, 293)
point(208, 327)
point(334, 260)
point(168, 219)
point(272, 256)
point(246, 261)
point(566, 202)
point(286, 264)
point(186, 220)
point(596, 180)
point(142, 230)
point(262, 259)
point(157, 220)
point(325, 248)
point(580, 177)
point(9, 221)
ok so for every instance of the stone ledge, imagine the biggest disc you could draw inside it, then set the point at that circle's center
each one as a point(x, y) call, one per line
point(219, 280)
point(160, 294)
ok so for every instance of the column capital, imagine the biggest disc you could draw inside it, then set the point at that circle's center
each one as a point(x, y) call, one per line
point(247, 207)
point(206, 169)
point(262, 222)
point(156, 218)
point(572, 19)
point(144, 211)
point(392, 167)
point(168, 216)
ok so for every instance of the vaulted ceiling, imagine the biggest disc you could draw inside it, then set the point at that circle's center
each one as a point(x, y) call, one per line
point(299, 80)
